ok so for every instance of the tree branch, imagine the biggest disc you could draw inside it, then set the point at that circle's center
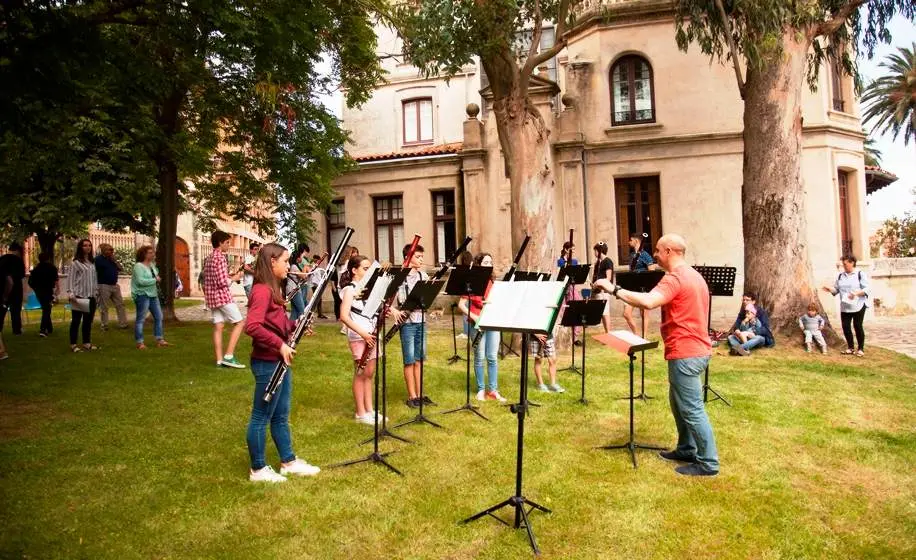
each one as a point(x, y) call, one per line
point(730, 39)
point(536, 60)
point(839, 18)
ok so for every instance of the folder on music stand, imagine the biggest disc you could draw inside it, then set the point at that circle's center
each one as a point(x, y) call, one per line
point(629, 344)
point(577, 273)
point(583, 313)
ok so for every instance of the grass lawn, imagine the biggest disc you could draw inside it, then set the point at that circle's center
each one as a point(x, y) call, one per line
point(122, 454)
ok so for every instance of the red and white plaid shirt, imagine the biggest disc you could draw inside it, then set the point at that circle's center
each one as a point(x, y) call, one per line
point(216, 280)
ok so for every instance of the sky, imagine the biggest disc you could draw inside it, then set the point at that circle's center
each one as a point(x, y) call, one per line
point(896, 199)
point(893, 200)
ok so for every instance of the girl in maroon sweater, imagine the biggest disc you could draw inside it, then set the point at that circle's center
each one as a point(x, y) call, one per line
point(269, 329)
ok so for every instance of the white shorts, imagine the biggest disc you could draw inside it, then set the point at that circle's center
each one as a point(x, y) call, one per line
point(607, 302)
point(228, 313)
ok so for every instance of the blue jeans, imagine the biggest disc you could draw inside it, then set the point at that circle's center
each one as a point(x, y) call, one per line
point(144, 304)
point(413, 343)
point(751, 343)
point(297, 306)
point(275, 413)
point(685, 394)
point(488, 347)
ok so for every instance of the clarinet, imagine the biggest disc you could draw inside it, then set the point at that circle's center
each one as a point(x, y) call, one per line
point(364, 359)
point(449, 263)
point(506, 278)
point(305, 320)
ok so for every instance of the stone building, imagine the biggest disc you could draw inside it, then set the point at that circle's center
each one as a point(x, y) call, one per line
point(646, 138)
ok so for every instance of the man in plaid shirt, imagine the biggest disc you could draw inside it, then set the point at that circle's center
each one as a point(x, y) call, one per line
point(219, 299)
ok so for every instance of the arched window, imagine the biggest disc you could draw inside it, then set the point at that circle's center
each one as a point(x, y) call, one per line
point(632, 91)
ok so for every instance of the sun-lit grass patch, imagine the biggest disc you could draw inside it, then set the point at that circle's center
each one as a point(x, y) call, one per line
point(125, 454)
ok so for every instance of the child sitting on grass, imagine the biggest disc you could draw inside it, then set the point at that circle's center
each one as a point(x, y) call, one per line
point(748, 330)
point(812, 323)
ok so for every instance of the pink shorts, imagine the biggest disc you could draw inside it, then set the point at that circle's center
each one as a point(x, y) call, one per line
point(357, 347)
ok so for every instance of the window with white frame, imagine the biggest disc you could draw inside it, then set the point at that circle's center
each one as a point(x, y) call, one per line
point(417, 120)
point(389, 228)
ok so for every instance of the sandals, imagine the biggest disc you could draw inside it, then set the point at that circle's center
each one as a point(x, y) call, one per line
point(74, 348)
point(860, 354)
point(141, 346)
point(848, 351)
point(162, 343)
point(90, 347)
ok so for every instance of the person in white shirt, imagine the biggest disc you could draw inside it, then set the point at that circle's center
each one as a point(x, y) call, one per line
point(852, 287)
point(250, 259)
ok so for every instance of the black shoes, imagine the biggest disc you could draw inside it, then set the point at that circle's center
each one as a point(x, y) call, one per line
point(677, 457)
point(429, 402)
point(413, 403)
point(695, 470)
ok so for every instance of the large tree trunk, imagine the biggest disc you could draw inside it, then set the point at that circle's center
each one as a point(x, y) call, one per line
point(47, 240)
point(776, 262)
point(530, 164)
point(167, 117)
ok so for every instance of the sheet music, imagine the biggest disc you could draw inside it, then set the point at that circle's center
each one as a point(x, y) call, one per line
point(375, 298)
point(522, 306)
point(629, 338)
point(366, 277)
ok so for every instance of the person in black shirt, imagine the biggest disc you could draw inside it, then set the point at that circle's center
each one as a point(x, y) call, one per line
point(12, 267)
point(604, 268)
point(43, 281)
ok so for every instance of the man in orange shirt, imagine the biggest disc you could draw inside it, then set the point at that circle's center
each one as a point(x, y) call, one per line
point(684, 298)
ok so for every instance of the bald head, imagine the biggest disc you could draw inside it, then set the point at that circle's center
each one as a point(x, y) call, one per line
point(669, 251)
point(674, 242)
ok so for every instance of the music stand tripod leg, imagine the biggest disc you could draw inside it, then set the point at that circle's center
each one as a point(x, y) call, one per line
point(631, 444)
point(454, 357)
point(706, 386)
point(420, 417)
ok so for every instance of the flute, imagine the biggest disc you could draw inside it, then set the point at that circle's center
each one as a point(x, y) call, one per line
point(305, 320)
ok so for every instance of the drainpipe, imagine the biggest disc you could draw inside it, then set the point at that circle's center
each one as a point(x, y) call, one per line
point(588, 246)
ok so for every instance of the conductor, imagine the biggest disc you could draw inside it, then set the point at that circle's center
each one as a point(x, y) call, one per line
point(684, 298)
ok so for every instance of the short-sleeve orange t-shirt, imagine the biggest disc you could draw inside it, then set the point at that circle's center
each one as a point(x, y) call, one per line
point(685, 318)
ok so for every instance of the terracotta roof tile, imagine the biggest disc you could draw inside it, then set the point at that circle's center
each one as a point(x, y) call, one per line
point(428, 150)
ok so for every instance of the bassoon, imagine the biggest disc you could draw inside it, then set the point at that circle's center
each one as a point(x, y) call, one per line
point(506, 278)
point(364, 359)
point(299, 282)
point(450, 262)
point(305, 320)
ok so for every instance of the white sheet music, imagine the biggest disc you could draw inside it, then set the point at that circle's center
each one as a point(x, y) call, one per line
point(522, 306)
point(375, 298)
point(629, 337)
point(366, 277)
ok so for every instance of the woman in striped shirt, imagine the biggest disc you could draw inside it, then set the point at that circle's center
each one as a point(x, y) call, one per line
point(82, 294)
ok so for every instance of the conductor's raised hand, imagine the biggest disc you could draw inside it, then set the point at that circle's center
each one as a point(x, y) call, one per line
point(603, 284)
point(288, 353)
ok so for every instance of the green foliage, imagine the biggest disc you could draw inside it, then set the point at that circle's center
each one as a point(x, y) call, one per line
point(758, 28)
point(890, 101)
point(897, 237)
point(126, 258)
point(872, 153)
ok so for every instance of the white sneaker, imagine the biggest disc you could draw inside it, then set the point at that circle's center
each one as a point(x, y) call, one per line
point(543, 388)
point(371, 416)
point(555, 388)
point(461, 336)
point(299, 468)
point(367, 420)
point(481, 395)
point(266, 474)
point(495, 396)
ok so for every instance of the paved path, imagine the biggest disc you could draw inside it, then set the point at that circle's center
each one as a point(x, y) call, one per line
point(893, 333)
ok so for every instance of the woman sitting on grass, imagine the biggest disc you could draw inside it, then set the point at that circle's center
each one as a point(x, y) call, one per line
point(144, 288)
point(269, 329)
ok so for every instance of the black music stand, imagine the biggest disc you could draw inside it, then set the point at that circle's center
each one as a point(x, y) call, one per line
point(467, 281)
point(577, 274)
point(518, 501)
point(721, 282)
point(642, 282)
point(629, 344)
point(375, 456)
point(422, 297)
point(455, 357)
point(582, 313)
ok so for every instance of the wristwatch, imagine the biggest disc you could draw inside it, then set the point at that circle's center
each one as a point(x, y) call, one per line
point(616, 289)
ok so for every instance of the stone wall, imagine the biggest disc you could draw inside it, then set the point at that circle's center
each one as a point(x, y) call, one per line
point(893, 286)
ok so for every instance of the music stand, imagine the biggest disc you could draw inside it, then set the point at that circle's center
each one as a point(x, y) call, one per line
point(629, 344)
point(642, 282)
point(577, 274)
point(582, 313)
point(527, 310)
point(467, 281)
point(721, 282)
point(375, 456)
point(455, 357)
point(422, 297)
